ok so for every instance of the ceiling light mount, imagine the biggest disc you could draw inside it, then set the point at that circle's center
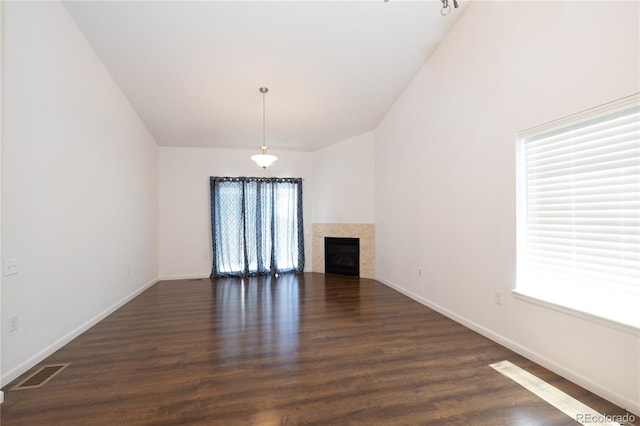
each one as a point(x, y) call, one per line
point(446, 8)
point(263, 159)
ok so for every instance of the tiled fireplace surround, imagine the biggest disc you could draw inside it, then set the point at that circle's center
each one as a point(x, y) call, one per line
point(366, 232)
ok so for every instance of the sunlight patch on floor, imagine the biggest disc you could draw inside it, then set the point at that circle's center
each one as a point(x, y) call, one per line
point(573, 408)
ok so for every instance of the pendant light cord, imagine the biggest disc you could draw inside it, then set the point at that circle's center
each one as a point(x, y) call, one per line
point(264, 91)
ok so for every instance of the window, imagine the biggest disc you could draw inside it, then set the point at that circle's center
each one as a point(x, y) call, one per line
point(257, 226)
point(579, 212)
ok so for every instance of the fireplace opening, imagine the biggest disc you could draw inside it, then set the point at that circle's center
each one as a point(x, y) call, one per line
point(342, 256)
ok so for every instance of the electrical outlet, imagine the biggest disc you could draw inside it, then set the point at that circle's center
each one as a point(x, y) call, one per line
point(419, 272)
point(497, 297)
point(13, 323)
point(381, 259)
point(11, 266)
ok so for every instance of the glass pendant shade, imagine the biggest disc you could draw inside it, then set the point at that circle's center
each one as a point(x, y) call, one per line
point(264, 160)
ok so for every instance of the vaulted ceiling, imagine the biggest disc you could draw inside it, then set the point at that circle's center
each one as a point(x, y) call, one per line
point(192, 70)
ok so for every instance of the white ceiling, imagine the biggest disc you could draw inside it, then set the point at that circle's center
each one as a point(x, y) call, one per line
point(192, 69)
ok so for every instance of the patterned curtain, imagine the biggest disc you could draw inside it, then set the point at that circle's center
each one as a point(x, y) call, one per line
point(256, 226)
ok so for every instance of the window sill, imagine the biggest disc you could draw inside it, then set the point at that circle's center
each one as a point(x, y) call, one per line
point(548, 301)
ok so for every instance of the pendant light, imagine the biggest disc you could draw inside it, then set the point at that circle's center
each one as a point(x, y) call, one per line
point(264, 160)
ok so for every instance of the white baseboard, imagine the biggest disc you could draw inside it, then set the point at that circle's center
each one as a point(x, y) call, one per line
point(15, 372)
point(191, 277)
point(183, 277)
point(561, 370)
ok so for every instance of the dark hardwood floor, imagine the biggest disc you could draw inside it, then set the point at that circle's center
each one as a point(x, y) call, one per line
point(310, 349)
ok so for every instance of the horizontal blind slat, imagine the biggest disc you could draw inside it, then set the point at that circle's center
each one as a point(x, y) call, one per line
point(585, 238)
point(602, 161)
point(626, 176)
point(607, 143)
point(586, 229)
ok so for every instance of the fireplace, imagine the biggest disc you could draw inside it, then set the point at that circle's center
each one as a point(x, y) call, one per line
point(342, 256)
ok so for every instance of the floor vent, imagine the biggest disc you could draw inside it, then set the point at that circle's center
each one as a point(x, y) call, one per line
point(40, 377)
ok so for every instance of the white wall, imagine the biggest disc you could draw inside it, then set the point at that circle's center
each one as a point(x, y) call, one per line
point(185, 212)
point(344, 181)
point(79, 186)
point(445, 173)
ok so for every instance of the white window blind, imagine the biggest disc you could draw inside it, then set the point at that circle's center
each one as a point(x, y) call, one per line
point(579, 230)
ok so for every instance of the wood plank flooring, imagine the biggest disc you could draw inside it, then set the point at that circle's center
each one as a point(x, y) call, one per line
point(309, 349)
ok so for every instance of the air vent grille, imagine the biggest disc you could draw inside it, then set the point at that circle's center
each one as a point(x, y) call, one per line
point(40, 377)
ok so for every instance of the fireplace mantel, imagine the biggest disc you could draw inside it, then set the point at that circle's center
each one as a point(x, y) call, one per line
point(364, 231)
